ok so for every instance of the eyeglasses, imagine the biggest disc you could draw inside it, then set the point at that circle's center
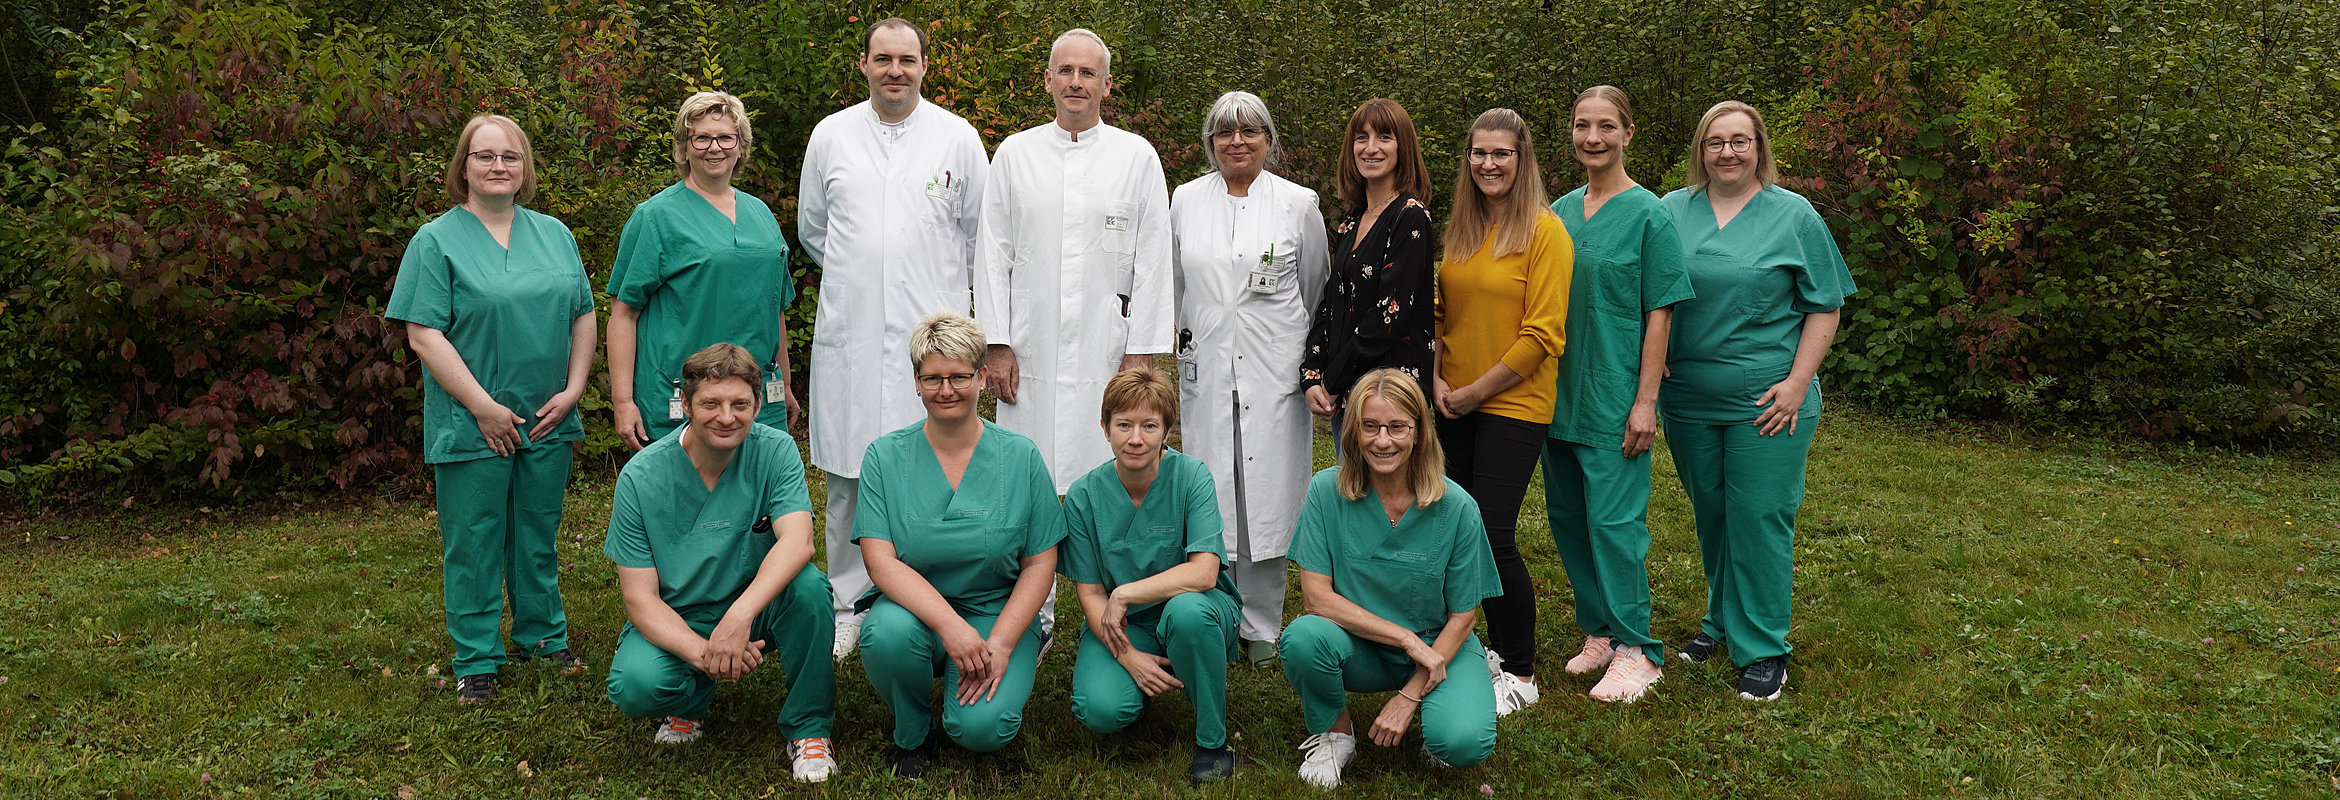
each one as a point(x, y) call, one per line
point(1396, 430)
point(487, 159)
point(1737, 145)
point(1249, 133)
point(724, 142)
point(958, 381)
point(1479, 156)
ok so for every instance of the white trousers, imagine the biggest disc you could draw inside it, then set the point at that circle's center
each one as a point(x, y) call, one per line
point(1262, 586)
point(848, 577)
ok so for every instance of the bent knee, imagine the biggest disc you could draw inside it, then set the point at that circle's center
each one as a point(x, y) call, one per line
point(984, 734)
point(1103, 716)
point(1460, 745)
point(1309, 635)
point(639, 696)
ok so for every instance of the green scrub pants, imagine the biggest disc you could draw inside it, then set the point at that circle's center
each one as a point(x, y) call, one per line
point(645, 681)
point(1324, 663)
point(498, 518)
point(1598, 502)
point(903, 657)
point(1196, 630)
point(1744, 490)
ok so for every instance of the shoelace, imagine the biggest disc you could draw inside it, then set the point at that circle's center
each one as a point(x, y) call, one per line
point(1319, 747)
point(812, 748)
point(469, 681)
point(683, 727)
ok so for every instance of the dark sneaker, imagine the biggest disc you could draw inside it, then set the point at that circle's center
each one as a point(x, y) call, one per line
point(1763, 679)
point(479, 688)
point(1210, 764)
point(567, 662)
point(1699, 649)
point(911, 764)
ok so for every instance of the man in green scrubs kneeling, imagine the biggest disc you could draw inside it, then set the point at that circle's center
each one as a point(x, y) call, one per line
point(711, 530)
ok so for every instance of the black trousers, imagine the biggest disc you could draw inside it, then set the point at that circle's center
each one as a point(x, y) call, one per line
point(1492, 457)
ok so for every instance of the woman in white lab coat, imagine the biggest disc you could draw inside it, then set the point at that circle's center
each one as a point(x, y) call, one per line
point(1250, 262)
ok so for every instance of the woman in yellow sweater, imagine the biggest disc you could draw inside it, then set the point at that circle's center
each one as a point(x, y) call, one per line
point(1502, 308)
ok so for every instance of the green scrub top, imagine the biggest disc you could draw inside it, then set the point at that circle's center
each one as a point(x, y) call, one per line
point(1628, 263)
point(968, 543)
point(507, 311)
point(699, 278)
point(1757, 277)
point(1111, 542)
point(1433, 563)
point(704, 543)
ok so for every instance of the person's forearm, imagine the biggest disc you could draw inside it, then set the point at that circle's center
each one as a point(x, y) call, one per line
point(910, 590)
point(781, 565)
point(430, 345)
point(622, 319)
point(1812, 346)
point(1317, 593)
point(1496, 379)
point(581, 343)
point(1093, 603)
point(1200, 573)
point(652, 617)
point(1032, 585)
point(780, 356)
point(1657, 330)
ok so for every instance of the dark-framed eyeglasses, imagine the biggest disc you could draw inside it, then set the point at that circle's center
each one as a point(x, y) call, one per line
point(1737, 144)
point(1396, 430)
point(960, 381)
point(723, 142)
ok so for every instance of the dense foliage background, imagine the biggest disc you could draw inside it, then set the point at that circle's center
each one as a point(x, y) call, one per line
point(2094, 214)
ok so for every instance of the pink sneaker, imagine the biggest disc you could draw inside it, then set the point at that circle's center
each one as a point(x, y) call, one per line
point(1596, 654)
point(1629, 677)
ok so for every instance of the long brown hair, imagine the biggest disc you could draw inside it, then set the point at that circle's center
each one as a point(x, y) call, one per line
point(1410, 174)
point(1512, 219)
point(1425, 468)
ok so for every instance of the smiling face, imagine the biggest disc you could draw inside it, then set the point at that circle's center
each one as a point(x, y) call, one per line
point(1079, 82)
point(1240, 150)
point(1494, 162)
point(895, 70)
point(1729, 171)
point(1599, 133)
point(954, 387)
point(716, 163)
point(1136, 435)
point(723, 411)
point(498, 178)
point(1387, 436)
point(1376, 151)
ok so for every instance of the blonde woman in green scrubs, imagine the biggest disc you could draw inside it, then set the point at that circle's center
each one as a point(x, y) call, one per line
point(959, 524)
point(498, 309)
point(1145, 555)
point(1596, 457)
point(1741, 399)
point(698, 263)
point(1394, 562)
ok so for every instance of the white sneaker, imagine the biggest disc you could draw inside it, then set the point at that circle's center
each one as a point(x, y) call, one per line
point(1629, 677)
point(1327, 752)
point(848, 636)
point(676, 730)
point(1513, 693)
point(811, 759)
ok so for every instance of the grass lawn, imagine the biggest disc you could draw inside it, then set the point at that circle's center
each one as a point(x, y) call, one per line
point(2067, 618)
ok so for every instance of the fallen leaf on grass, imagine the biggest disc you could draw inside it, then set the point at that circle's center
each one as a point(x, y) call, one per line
point(401, 748)
point(406, 792)
point(387, 673)
point(431, 670)
point(525, 771)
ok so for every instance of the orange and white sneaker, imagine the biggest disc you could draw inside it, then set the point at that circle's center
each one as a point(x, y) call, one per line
point(811, 760)
point(1629, 677)
point(676, 730)
point(1596, 654)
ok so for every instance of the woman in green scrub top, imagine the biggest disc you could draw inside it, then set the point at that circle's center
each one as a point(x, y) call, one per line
point(1144, 553)
point(698, 263)
point(1596, 454)
point(1740, 401)
point(1394, 562)
point(959, 524)
point(497, 307)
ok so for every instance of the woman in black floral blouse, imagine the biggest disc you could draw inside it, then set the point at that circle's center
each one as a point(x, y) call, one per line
point(1377, 307)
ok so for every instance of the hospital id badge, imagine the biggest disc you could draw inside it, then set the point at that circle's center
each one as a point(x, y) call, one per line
point(674, 406)
point(943, 190)
point(772, 389)
point(1188, 371)
point(1264, 280)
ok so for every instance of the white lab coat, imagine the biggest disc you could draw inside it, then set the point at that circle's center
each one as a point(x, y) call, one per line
point(1238, 342)
point(890, 215)
point(1069, 229)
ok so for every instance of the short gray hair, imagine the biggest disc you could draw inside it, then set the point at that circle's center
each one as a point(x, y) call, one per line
point(1085, 34)
point(949, 334)
point(1237, 109)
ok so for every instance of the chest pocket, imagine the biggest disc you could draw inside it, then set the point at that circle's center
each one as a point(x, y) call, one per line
point(1406, 579)
point(1120, 227)
point(1142, 552)
point(1616, 286)
point(961, 553)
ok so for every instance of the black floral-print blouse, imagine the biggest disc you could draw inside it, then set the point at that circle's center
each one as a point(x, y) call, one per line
point(1378, 304)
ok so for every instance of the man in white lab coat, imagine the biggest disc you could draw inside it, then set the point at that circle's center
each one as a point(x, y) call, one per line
point(1072, 263)
point(887, 206)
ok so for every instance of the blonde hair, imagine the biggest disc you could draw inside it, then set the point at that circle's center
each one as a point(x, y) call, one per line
point(1425, 469)
point(1142, 386)
point(1614, 95)
point(710, 104)
point(721, 361)
point(1766, 171)
point(949, 334)
point(459, 181)
point(1512, 219)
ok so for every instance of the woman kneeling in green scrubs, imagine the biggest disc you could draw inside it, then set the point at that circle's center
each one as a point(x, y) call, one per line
point(497, 307)
point(959, 524)
point(711, 530)
point(1740, 400)
point(1145, 555)
point(1393, 562)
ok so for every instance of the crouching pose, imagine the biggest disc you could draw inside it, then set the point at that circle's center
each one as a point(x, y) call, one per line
point(1393, 562)
point(711, 530)
point(958, 522)
point(1143, 549)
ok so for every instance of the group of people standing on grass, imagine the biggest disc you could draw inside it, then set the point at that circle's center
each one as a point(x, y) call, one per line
point(1449, 362)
